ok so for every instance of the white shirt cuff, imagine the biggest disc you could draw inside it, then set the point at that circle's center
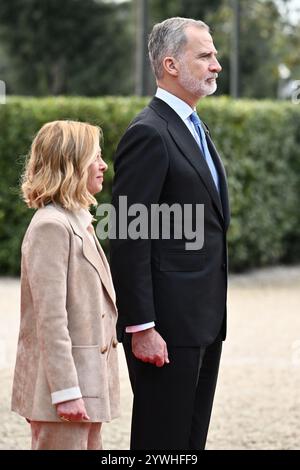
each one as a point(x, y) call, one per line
point(136, 328)
point(65, 395)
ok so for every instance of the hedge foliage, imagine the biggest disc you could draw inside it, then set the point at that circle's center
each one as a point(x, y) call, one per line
point(259, 142)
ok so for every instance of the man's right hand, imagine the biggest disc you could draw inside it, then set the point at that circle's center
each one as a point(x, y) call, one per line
point(149, 346)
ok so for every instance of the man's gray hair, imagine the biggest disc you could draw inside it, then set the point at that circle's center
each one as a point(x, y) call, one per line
point(167, 39)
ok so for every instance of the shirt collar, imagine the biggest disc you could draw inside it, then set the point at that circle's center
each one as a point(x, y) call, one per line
point(179, 106)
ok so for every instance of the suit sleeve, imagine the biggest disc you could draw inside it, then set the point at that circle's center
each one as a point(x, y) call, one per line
point(141, 165)
point(46, 260)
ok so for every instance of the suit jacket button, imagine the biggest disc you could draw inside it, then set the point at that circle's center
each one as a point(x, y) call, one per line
point(224, 267)
point(104, 349)
point(115, 343)
point(103, 315)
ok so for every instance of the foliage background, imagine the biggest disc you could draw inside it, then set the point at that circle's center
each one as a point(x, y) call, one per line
point(87, 47)
point(79, 48)
point(258, 140)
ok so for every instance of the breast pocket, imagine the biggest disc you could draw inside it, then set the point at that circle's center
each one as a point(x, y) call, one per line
point(182, 261)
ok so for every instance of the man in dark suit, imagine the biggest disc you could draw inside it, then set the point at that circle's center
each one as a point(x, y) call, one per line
point(171, 300)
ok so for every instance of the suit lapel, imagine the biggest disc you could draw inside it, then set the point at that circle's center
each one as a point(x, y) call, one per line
point(189, 148)
point(107, 275)
point(95, 256)
point(222, 175)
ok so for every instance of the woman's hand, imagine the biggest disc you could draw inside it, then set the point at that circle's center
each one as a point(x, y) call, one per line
point(72, 410)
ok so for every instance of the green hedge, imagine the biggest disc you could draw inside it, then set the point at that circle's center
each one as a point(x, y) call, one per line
point(259, 143)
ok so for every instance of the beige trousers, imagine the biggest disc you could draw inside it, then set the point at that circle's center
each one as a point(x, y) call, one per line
point(65, 436)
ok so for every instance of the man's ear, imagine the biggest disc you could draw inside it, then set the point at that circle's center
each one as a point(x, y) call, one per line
point(170, 65)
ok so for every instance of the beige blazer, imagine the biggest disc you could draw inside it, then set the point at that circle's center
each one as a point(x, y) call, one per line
point(67, 338)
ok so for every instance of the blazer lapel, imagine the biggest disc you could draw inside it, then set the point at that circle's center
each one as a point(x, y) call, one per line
point(189, 147)
point(107, 275)
point(222, 175)
point(94, 255)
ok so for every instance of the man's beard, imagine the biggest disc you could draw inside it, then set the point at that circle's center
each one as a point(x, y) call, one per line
point(195, 86)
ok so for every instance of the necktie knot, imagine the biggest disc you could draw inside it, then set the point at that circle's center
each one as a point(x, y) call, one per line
point(195, 119)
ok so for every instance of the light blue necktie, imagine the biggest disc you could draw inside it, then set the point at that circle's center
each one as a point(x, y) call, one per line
point(203, 145)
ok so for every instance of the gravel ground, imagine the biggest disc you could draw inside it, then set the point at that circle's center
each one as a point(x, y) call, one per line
point(257, 404)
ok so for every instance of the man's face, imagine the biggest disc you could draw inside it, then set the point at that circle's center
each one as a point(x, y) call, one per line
point(199, 67)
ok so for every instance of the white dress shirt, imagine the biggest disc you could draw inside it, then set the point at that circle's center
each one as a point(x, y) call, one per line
point(181, 108)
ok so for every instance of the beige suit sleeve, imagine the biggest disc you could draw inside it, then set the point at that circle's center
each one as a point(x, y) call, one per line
point(46, 253)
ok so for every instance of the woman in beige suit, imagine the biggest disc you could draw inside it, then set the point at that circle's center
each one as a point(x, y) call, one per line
point(66, 376)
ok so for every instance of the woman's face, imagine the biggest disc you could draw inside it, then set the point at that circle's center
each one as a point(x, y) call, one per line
point(96, 174)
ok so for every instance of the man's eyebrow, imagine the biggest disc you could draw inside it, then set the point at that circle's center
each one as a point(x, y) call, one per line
point(215, 52)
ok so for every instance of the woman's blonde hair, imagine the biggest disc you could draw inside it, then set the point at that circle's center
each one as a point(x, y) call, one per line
point(57, 166)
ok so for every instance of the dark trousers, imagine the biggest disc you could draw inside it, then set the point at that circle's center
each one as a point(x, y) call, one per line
point(172, 404)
